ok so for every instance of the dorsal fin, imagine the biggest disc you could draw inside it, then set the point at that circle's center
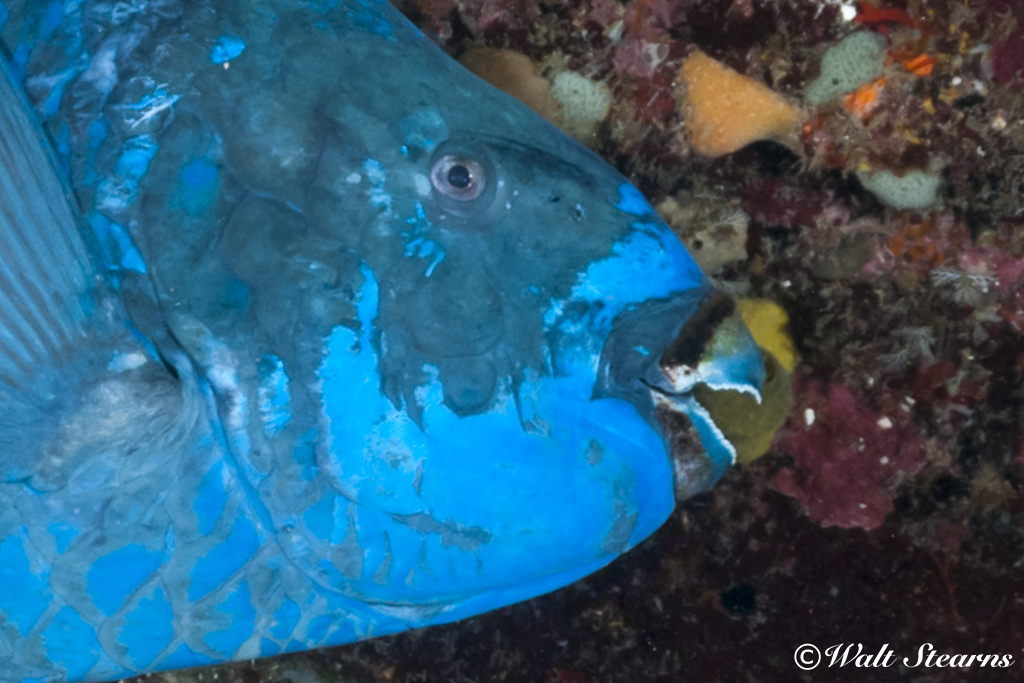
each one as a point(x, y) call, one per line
point(46, 277)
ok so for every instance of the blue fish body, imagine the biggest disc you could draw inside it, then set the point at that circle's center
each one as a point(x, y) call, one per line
point(308, 336)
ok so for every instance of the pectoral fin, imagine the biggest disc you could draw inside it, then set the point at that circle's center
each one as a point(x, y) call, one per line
point(46, 278)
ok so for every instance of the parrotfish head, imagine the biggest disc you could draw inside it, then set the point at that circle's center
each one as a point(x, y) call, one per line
point(528, 334)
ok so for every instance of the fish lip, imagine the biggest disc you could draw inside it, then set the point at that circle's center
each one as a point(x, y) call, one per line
point(693, 469)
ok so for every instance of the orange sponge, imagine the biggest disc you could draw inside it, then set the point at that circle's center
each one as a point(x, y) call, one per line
point(725, 111)
point(516, 75)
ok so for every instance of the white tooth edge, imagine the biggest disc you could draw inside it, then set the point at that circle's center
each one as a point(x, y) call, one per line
point(697, 408)
point(732, 386)
point(683, 378)
point(690, 406)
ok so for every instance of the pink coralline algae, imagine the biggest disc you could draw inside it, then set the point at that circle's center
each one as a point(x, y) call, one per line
point(774, 202)
point(849, 459)
point(1008, 58)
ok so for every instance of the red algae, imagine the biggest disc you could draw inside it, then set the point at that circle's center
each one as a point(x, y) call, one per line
point(848, 458)
point(880, 18)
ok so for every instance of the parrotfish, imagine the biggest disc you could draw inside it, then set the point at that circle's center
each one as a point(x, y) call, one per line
point(309, 336)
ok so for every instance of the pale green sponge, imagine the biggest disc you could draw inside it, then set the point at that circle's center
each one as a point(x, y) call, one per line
point(915, 190)
point(858, 59)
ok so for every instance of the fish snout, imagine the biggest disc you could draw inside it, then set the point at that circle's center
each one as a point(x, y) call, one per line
point(710, 350)
point(714, 348)
point(713, 352)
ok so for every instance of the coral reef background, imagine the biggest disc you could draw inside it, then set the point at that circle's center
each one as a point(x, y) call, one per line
point(890, 509)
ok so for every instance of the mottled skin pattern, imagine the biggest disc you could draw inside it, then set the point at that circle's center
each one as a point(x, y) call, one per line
point(315, 399)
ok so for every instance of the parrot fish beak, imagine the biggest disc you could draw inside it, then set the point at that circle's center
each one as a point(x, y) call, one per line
point(713, 350)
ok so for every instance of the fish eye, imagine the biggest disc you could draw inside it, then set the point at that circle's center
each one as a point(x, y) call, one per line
point(458, 177)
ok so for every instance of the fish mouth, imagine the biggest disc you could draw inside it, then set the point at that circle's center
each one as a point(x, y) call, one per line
point(695, 467)
point(712, 349)
point(703, 343)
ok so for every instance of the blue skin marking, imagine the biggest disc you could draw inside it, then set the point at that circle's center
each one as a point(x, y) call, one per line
point(346, 632)
point(136, 153)
point(305, 454)
point(319, 518)
point(224, 560)
point(63, 534)
point(148, 629)
point(374, 171)
point(274, 394)
point(369, 20)
point(18, 61)
point(25, 596)
point(197, 186)
point(113, 577)
point(185, 657)
point(295, 646)
point(366, 302)
point(423, 128)
point(226, 48)
point(238, 607)
point(648, 263)
point(378, 196)
point(118, 192)
point(56, 94)
point(269, 648)
point(198, 174)
point(119, 251)
point(62, 141)
point(54, 15)
point(632, 202)
point(286, 618)
point(211, 497)
point(4, 14)
point(71, 642)
point(151, 103)
point(417, 243)
point(316, 632)
point(434, 262)
point(237, 449)
point(537, 468)
point(642, 350)
point(97, 132)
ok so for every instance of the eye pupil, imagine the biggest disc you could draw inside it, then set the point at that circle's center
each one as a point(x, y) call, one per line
point(459, 176)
